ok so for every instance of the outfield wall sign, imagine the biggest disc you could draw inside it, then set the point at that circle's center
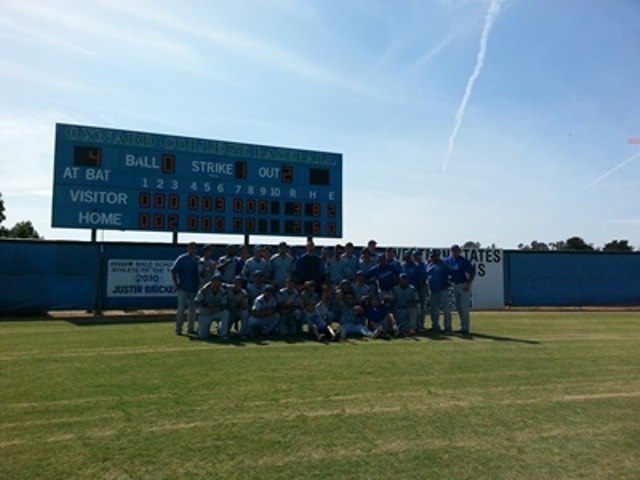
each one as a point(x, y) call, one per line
point(139, 278)
point(125, 180)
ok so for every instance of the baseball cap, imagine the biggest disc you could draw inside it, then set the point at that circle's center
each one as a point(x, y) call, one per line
point(217, 277)
point(192, 244)
point(455, 247)
point(238, 278)
point(208, 246)
point(270, 288)
point(283, 244)
point(403, 276)
point(372, 242)
point(434, 252)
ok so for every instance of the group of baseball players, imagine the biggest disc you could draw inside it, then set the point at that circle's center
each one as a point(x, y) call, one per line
point(332, 294)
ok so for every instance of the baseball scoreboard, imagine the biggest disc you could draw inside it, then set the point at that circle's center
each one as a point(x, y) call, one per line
point(126, 180)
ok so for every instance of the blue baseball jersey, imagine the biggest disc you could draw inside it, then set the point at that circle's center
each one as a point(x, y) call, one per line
point(461, 268)
point(437, 275)
point(386, 274)
point(377, 313)
point(416, 273)
point(186, 268)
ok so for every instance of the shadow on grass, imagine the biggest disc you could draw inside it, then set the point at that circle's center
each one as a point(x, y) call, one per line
point(440, 336)
point(133, 319)
point(237, 341)
point(497, 338)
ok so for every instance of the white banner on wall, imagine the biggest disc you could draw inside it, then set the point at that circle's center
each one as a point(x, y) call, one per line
point(139, 278)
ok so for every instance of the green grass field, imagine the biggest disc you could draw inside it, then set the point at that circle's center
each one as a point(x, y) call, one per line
point(532, 395)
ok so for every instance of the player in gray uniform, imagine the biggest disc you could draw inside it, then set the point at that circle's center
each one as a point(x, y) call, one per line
point(238, 303)
point(349, 261)
point(211, 300)
point(319, 324)
point(281, 266)
point(333, 267)
point(405, 305)
point(308, 300)
point(264, 317)
point(352, 319)
point(366, 261)
point(206, 265)
point(289, 308)
point(256, 286)
point(227, 264)
point(254, 264)
point(361, 289)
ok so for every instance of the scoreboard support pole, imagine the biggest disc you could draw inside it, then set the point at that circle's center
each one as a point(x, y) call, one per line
point(246, 240)
point(94, 235)
point(174, 238)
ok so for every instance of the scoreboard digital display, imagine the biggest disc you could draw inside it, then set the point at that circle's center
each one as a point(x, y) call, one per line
point(125, 180)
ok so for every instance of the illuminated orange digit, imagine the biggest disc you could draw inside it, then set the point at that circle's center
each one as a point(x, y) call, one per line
point(287, 174)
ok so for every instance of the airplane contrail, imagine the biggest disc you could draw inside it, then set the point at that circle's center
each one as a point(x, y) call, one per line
point(492, 13)
point(603, 176)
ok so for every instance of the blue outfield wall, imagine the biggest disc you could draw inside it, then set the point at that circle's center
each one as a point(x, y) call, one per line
point(561, 279)
point(39, 275)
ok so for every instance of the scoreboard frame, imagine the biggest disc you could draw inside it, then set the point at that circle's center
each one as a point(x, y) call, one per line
point(127, 180)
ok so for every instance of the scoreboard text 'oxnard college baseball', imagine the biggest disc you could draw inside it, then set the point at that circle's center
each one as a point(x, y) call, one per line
point(124, 180)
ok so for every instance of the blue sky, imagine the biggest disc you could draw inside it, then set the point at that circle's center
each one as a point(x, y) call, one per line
point(443, 140)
